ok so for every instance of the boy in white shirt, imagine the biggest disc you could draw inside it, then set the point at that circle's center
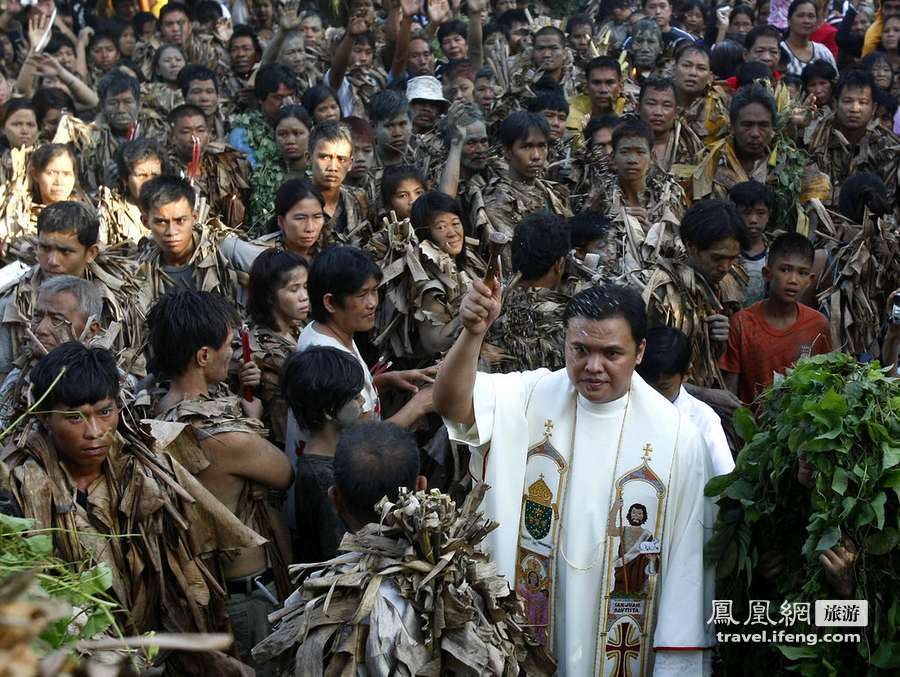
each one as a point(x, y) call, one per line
point(665, 366)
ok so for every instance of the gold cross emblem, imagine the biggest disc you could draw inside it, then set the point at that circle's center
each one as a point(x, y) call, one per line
point(648, 449)
point(548, 428)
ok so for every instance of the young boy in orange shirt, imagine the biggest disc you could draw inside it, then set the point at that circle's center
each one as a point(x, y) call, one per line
point(772, 334)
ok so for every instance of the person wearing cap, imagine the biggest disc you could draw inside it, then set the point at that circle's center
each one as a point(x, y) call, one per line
point(426, 102)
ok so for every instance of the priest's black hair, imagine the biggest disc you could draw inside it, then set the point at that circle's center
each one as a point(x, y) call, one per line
point(90, 376)
point(667, 353)
point(373, 460)
point(605, 301)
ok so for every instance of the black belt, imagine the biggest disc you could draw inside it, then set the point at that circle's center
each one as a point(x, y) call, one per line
point(247, 585)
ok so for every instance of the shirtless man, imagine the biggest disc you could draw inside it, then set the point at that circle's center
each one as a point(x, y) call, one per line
point(190, 339)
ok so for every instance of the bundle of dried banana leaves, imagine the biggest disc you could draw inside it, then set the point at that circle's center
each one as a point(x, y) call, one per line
point(412, 596)
point(863, 272)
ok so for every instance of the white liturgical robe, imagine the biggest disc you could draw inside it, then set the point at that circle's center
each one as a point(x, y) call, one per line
point(601, 513)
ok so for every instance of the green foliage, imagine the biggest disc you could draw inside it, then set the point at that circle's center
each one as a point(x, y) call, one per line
point(843, 418)
point(268, 173)
point(790, 164)
point(82, 586)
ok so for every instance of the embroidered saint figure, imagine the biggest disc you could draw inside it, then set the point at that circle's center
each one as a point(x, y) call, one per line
point(638, 551)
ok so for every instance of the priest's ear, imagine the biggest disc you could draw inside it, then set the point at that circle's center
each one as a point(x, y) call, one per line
point(640, 351)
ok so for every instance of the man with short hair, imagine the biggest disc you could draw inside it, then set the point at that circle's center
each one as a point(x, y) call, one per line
point(673, 142)
point(646, 47)
point(186, 254)
point(74, 473)
point(849, 140)
point(218, 173)
point(484, 93)
point(420, 59)
point(190, 337)
point(763, 45)
point(362, 170)
point(120, 120)
point(533, 435)
point(244, 51)
point(274, 86)
point(525, 138)
point(530, 333)
point(515, 26)
point(67, 244)
point(200, 87)
point(702, 106)
point(389, 114)
point(604, 93)
point(354, 74)
point(548, 56)
point(661, 12)
point(697, 296)
point(643, 203)
point(745, 153)
point(468, 166)
point(68, 308)
point(330, 158)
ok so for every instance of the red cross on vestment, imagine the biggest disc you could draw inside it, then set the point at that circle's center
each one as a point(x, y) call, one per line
point(624, 643)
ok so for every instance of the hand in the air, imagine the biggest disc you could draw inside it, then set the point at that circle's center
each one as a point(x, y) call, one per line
point(480, 307)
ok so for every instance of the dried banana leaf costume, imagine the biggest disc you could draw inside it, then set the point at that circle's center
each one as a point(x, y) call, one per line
point(96, 145)
point(507, 201)
point(413, 596)
point(677, 296)
point(125, 301)
point(120, 218)
point(529, 332)
point(213, 416)
point(631, 246)
point(707, 116)
point(863, 269)
point(200, 48)
point(422, 284)
point(222, 181)
point(269, 350)
point(878, 152)
point(18, 214)
point(156, 527)
point(210, 270)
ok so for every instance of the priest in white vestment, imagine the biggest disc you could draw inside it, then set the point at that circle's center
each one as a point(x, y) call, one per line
point(597, 483)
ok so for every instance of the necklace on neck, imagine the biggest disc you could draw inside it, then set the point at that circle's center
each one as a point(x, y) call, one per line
point(599, 551)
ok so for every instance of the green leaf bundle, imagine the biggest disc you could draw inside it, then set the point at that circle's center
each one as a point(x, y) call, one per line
point(842, 418)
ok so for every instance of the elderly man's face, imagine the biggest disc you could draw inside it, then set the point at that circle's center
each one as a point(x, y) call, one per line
point(57, 319)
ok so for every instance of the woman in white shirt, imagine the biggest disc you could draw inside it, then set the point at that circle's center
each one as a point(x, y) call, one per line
point(802, 21)
point(343, 295)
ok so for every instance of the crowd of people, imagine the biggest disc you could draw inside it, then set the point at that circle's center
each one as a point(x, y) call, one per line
point(231, 231)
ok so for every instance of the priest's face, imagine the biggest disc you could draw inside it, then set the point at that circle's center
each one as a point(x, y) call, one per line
point(601, 356)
